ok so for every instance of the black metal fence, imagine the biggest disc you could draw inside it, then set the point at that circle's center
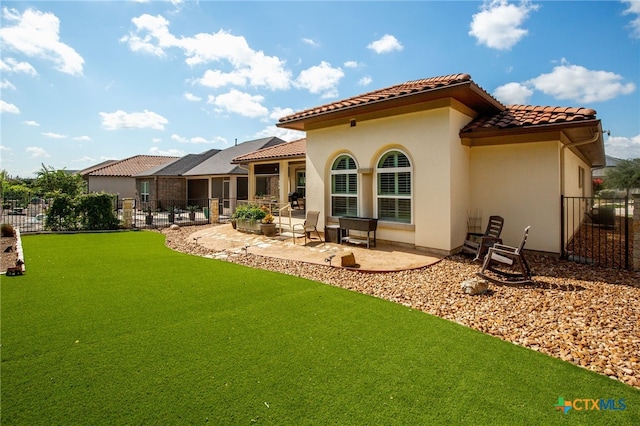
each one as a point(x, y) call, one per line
point(596, 231)
point(31, 217)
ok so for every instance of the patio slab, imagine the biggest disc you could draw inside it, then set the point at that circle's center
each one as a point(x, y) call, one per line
point(382, 258)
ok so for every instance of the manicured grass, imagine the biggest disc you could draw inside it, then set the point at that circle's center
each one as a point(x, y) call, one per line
point(118, 329)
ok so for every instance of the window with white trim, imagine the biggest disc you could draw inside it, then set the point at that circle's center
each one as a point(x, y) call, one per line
point(394, 196)
point(344, 187)
point(144, 192)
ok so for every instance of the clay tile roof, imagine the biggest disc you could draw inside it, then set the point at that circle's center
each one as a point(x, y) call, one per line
point(297, 148)
point(130, 166)
point(529, 115)
point(407, 88)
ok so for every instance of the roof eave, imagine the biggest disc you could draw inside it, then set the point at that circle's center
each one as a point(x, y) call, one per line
point(466, 92)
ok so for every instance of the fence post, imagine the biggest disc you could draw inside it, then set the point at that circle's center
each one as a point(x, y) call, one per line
point(127, 212)
point(636, 233)
point(214, 213)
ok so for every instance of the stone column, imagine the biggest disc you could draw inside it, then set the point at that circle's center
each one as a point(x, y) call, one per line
point(635, 233)
point(214, 214)
point(127, 212)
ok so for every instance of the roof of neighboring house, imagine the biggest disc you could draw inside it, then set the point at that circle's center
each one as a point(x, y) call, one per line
point(221, 163)
point(293, 149)
point(457, 86)
point(96, 167)
point(180, 166)
point(127, 167)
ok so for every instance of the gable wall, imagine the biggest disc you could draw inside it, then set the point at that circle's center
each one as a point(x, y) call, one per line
point(521, 183)
point(124, 186)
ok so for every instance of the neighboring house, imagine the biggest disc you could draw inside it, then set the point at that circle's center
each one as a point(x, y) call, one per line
point(116, 176)
point(194, 178)
point(601, 172)
point(421, 155)
point(277, 171)
point(219, 178)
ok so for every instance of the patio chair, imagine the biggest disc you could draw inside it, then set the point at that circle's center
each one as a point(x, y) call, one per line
point(310, 225)
point(507, 257)
point(477, 244)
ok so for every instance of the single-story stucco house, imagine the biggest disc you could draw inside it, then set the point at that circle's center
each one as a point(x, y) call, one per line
point(419, 156)
point(117, 176)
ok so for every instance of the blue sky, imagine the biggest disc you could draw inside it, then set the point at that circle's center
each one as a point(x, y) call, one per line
point(83, 82)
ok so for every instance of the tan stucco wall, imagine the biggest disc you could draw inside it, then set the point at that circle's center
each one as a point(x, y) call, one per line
point(521, 183)
point(125, 187)
point(440, 164)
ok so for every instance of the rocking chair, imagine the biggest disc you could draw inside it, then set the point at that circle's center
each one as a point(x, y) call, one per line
point(511, 257)
point(477, 244)
point(310, 225)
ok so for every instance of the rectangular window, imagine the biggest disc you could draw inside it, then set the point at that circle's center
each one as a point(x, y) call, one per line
point(144, 192)
point(580, 177)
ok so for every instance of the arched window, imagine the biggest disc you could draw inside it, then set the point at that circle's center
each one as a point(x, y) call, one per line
point(394, 187)
point(344, 187)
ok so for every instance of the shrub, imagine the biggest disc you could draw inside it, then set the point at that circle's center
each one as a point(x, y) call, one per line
point(249, 212)
point(6, 229)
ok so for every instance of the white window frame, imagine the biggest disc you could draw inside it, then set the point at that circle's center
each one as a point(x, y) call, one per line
point(397, 196)
point(351, 196)
point(145, 195)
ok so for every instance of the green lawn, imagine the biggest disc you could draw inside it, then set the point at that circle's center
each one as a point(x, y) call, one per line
point(118, 329)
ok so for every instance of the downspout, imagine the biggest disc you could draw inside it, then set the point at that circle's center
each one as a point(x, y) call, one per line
point(594, 138)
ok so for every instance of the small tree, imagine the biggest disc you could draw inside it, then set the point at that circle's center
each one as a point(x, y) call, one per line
point(50, 181)
point(626, 175)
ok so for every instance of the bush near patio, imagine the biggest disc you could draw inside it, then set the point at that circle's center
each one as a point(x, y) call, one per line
point(134, 333)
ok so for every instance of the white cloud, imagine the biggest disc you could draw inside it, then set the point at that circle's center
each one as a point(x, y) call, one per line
point(37, 34)
point(195, 139)
point(31, 123)
point(351, 64)
point(37, 152)
point(54, 135)
point(623, 147)
point(310, 42)
point(5, 148)
point(6, 84)
point(85, 159)
point(10, 65)
point(135, 120)
point(82, 138)
point(321, 79)
point(169, 152)
point(365, 81)
point(580, 84)
point(6, 107)
point(277, 113)
point(240, 103)
point(499, 24)
point(179, 138)
point(634, 9)
point(513, 93)
point(284, 134)
point(191, 97)
point(248, 66)
point(386, 44)
point(156, 140)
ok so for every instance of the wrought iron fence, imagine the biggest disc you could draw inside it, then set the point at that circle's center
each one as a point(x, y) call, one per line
point(596, 231)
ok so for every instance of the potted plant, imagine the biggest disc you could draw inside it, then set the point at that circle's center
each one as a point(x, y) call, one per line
point(192, 212)
point(248, 218)
point(267, 226)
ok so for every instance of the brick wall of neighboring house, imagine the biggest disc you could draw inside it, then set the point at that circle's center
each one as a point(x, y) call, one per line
point(172, 190)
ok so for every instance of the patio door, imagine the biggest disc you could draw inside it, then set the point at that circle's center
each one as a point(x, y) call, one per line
point(226, 206)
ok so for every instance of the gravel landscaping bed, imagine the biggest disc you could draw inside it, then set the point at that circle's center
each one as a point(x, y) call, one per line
point(579, 313)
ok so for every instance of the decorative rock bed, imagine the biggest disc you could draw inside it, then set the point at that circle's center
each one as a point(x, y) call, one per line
point(578, 313)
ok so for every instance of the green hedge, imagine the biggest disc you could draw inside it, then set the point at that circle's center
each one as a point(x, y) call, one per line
point(84, 212)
